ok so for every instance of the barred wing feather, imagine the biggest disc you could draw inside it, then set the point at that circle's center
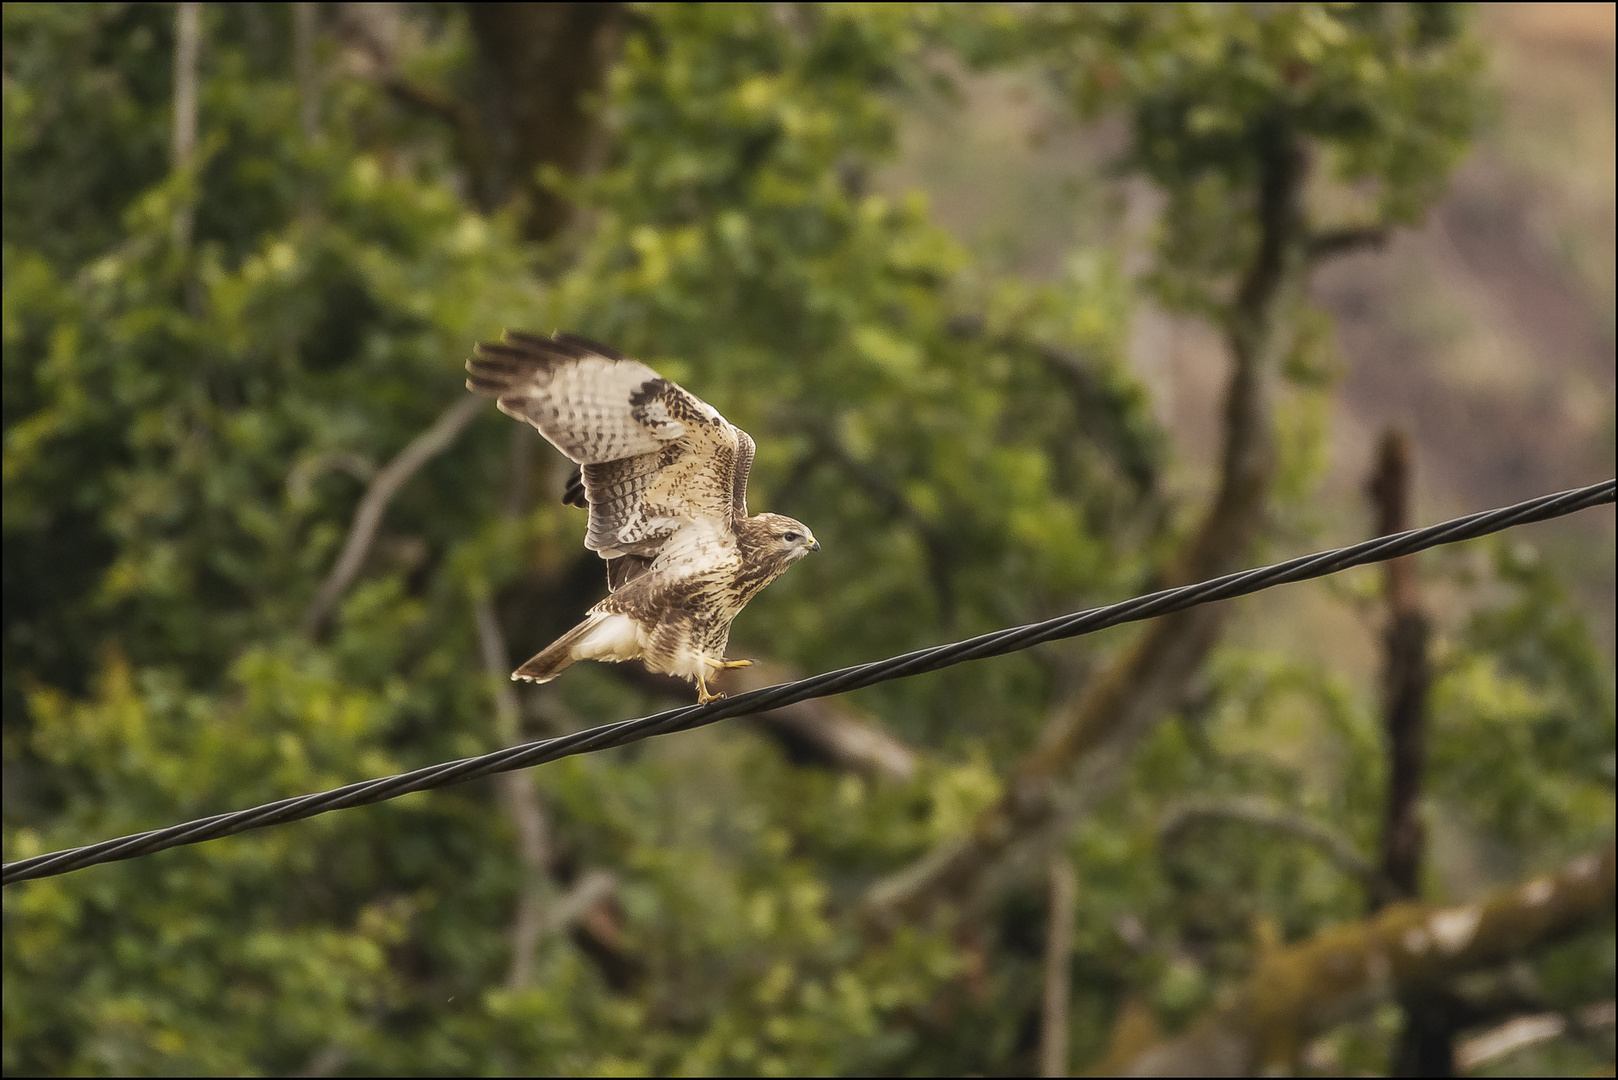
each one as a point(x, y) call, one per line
point(652, 455)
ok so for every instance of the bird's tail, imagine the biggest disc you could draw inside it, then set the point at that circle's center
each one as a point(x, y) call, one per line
point(556, 656)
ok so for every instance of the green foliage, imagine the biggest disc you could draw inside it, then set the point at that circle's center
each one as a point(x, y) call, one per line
point(1525, 713)
point(1382, 96)
point(190, 424)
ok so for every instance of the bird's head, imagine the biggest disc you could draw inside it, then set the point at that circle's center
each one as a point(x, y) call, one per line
point(785, 538)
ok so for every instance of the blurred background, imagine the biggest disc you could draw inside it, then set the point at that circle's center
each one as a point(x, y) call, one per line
point(1029, 308)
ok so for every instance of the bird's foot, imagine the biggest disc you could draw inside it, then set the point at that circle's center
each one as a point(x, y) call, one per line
point(721, 665)
point(703, 696)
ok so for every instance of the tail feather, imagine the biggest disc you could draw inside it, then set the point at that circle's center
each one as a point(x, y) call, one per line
point(556, 656)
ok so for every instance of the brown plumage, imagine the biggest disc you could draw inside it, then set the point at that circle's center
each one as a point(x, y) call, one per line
point(665, 480)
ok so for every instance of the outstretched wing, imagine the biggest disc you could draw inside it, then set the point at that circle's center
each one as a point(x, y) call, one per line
point(651, 454)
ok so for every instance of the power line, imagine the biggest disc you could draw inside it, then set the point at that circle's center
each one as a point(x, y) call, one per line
point(997, 643)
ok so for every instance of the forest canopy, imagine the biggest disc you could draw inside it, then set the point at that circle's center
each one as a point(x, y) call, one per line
point(259, 542)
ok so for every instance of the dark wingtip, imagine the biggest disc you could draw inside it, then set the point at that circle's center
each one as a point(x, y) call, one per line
point(573, 494)
point(523, 337)
point(578, 341)
point(517, 355)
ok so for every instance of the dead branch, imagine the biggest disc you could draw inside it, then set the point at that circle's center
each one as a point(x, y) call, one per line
point(1297, 991)
point(362, 531)
point(1427, 1043)
point(821, 731)
point(1406, 675)
point(824, 730)
point(1521, 1032)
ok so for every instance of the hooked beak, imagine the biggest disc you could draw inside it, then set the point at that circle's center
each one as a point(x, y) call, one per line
point(814, 545)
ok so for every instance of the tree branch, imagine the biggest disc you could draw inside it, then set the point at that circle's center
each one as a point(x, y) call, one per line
point(1333, 242)
point(368, 516)
point(1522, 1032)
point(1427, 1043)
point(1265, 815)
point(1058, 957)
point(187, 43)
point(1088, 737)
point(1297, 991)
point(820, 731)
point(1406, 675)
point(522, 803)
point(824, 730)
point(934, 540)
point(305, 26)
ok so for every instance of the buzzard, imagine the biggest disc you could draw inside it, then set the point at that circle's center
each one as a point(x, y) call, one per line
point(665, 479)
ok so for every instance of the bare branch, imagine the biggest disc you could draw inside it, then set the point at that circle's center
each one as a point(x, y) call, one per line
point(301, 480)
point(1525, 1031)
point(305, 19)
point(820, 731)
point(1263, 814)
point(422, 449)
point(1427, 1043)
point(1406, 676)
point(1297, 991)
point(187, 43)
point(522, 804)
point(1058, 953)
point(826, 730)
point(594, 887)
point(1325, 245)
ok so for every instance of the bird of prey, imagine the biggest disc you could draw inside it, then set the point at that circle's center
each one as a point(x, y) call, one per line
point(665, 479)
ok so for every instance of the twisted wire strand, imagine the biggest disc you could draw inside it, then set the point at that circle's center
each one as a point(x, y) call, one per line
point(996, 643)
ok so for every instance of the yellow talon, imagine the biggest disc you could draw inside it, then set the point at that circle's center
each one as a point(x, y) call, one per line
point(703, 696)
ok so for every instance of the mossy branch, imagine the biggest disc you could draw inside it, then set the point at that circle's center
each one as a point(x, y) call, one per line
point(1296, 992)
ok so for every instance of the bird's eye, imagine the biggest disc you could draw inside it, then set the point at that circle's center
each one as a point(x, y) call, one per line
point(791, 537)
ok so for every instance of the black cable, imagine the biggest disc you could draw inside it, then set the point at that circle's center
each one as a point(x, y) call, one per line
point(997, 643)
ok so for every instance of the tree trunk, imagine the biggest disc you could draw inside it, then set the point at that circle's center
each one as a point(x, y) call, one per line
point(540, 68)
point(1087, 739)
